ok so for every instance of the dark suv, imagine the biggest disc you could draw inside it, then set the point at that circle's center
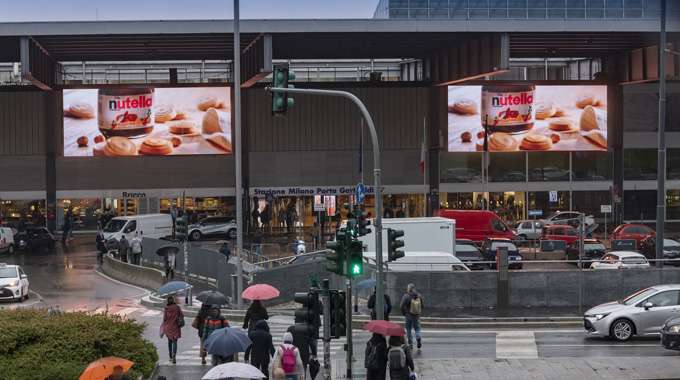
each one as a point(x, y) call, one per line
point(491, 245)
point(33, 238)
point(593, 250)
point(468, 253)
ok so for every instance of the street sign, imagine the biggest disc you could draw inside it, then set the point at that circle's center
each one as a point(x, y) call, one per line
point(536, 213)
point(553, 196)
point(360, 192)
point(624, 245)
point(319, 206)
point(606, 209)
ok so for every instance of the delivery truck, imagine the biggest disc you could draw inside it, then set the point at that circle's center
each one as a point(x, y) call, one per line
point(420, 234)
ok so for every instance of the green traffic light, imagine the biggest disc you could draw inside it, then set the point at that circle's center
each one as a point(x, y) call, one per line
point(356, 269)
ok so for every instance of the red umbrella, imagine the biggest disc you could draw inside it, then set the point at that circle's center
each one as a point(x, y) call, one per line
point(385, 328)
point(260, 292)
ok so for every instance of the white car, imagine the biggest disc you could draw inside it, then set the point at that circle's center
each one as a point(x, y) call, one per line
point(13, 283)
point(569, 217)
point(621, 260)
point(529, 229)
point(7, 240)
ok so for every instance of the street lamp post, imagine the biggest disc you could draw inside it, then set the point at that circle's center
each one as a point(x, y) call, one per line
point(661, 162)
point(238, 155)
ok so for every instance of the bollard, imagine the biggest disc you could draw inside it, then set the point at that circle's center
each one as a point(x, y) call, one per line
point(503, 287)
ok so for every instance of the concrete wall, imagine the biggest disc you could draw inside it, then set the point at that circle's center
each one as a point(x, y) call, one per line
point(148, 278)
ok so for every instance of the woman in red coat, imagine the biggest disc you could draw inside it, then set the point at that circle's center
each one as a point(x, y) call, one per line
point(173, 321)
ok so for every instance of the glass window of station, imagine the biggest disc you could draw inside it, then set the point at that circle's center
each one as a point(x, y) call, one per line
point(20, 213)
point(199, 208)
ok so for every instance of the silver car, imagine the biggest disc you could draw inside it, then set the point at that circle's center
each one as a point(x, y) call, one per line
point(213, 226)
point(642, 313)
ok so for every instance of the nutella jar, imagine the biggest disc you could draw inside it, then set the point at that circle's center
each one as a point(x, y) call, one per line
point(508, 108)
point(126, 112)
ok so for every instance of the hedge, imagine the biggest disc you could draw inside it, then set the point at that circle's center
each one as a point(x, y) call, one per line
point(37, 345)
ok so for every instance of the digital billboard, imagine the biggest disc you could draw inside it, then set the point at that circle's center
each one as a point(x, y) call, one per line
point(525, 117)
point(147, 121)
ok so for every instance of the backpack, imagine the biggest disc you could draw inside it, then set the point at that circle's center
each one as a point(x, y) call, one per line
point(372, 361)
point(396, 358)
point(416, 306)
point(288, 359)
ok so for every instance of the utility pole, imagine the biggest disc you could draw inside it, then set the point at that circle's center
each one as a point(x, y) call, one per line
point(237, 155)
point(380, 290)
point(661, 161)
point(326, 302)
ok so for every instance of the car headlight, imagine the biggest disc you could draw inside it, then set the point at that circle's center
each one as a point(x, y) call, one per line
point(14, 283)
point(600, 316)
point(675, 329)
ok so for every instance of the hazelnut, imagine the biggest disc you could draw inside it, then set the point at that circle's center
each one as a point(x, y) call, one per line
point(98, 139)
point(555, 138)
point(466, 137)
point(176, 141)
point(480, 134)
point(82, 141)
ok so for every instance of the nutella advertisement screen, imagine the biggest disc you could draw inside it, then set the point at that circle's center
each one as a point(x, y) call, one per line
point(147, 121)
point(519, 117)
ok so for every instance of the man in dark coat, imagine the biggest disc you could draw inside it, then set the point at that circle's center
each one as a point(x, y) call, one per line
point(262, 348)
point(388, 306)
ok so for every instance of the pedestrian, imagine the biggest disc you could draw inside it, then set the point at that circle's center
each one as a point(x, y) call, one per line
point(256, 312)
point(375, 360)
point(136, 248)
point(224, 250)
point(214, 321)
point(303, 342)
point(173, 321)
point(287, 363)
point(170, 264)
point(66, 228)
point(412, 307)
point(262, 349)
point(399, 359)
point(198, 323)
point(387, 306)
point(124, 249)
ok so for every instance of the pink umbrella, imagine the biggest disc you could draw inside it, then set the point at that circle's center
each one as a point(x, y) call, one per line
point(260, 292)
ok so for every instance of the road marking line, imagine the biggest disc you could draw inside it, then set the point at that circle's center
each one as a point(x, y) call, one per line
point(151, 313)
point(516, 345)
point(600, 345)
point(127, 311)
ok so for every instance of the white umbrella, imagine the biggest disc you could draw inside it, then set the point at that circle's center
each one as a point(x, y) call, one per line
point(233, 370)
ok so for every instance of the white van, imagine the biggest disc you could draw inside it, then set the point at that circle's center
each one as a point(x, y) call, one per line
point(423, 262)
point(7, 240)
point(153, 226)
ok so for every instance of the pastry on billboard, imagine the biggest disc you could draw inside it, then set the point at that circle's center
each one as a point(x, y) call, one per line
point(116, 146)
point(597, 138)
point(559, 111)
point(534, 141)
point(214, 121)
point(586, 100)
point(80, 111)
point(591, 119)
point(562, 124)
point(545, 110)
point(176, 141)
point(466, 137)
point(164, 113)
point(209, 102)
point(464, 106)
point(180, 115)
point(221, 141)
point(155, 147)
point(182, 127)
point(501, 142)
point(82, 141)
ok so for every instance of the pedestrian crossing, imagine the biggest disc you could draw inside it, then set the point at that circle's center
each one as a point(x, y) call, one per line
point(123, 311)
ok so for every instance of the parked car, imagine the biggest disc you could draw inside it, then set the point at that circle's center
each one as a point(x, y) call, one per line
point(7, 240)
point(34, 238)
point(530, 229)
point(593, 250)
point(630, 231)
point(670, 333)
point(566, 233)
point(213, 226)
point(153, 226)
point(569, 217)
point(490, 247)
point(642, 313)
point(671, 249)
point(470, 255)
point(621, 260)
point(13, 283)
point(477, 225)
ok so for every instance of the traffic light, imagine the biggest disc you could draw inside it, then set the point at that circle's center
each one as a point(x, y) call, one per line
point(307, 315)
point(356, 259)
point(181, 228)
point(362, 222)
point(280, 100)
point(336, 254)
point(338, 314)
point(394, 244)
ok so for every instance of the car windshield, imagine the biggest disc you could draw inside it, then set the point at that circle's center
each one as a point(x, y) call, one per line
point(8, 273)
point(115, 225)
point(593, 247)
point(670, 243)
point(464, 248)
point(502, 244)
point(638, 296)
point(634, 260)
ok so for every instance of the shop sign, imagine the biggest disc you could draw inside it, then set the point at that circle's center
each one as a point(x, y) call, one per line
point(606, 209)
point(129, 194)
point(535, 213)
point(308, 190)
point(553, 196)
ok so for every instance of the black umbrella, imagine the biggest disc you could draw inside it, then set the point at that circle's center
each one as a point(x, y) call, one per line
point(164, 250)
point(211, 297)
point(314, 368)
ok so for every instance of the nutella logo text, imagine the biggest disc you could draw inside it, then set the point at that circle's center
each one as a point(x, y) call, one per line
point(127, 103)
point(512, 100)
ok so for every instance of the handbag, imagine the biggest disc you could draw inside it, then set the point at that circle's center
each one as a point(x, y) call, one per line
point(180, 321)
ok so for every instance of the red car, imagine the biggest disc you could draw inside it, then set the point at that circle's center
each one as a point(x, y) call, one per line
point(562, 232)
point(631, 231)
point(478, 225)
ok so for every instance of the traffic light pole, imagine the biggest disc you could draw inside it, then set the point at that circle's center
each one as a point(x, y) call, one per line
point(326, 302)
point(348, 314)
point(379, 293)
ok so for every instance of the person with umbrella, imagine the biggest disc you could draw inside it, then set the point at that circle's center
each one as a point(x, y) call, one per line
point(262, 349)
point(173, 321)
point(198, 323)
point(256, 312)
point(387, 306)
point(287, 363)
point(213, 322)
point(375, 360)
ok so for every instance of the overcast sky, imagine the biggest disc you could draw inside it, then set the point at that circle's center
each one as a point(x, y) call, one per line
point(52, 10)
